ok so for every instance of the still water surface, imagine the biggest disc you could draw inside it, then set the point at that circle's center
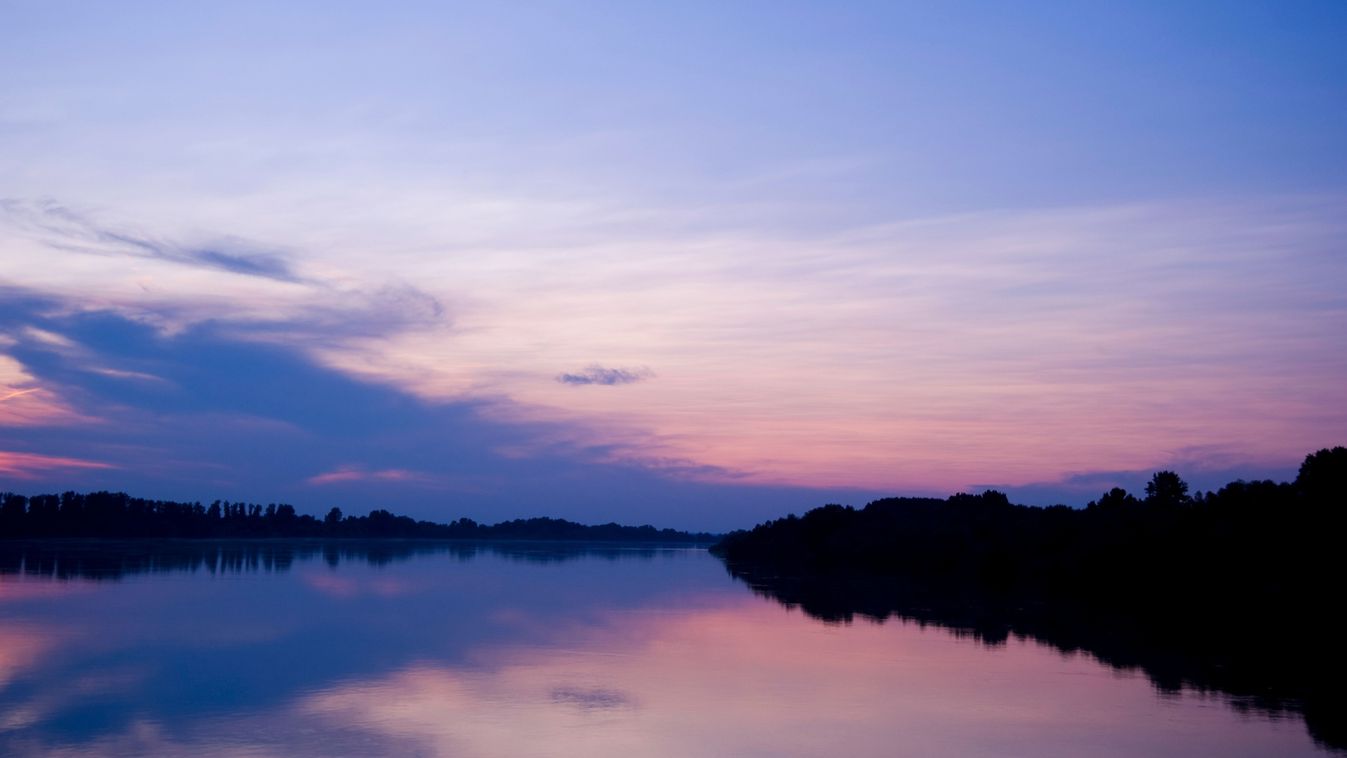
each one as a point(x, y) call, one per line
point(534, 651)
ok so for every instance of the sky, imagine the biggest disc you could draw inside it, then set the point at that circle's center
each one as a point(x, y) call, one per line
point(691, 264)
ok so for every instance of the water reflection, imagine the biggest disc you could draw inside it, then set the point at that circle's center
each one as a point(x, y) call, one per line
point(1275, 666)
point(88, 559)
point(529, 650)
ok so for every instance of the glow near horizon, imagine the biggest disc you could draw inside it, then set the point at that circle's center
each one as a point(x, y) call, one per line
point(836, 270)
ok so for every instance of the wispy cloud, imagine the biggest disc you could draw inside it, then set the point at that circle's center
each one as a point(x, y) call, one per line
point(63, 228)
point(607, 377)
point(17, 393)
point(349, 474)
point(139, 376)
point(175, 286)
point(902, 356)
point(28, 465)
point(338, 318)
point(51, 339)
point(25, 403)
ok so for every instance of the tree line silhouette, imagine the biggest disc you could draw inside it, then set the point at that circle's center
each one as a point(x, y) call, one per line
point(1263, 537)
point(116, 515)
point(1235, 591)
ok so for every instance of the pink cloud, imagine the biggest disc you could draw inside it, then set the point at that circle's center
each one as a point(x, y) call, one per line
point(356, 474)
point(28, 465)
point(25, 404)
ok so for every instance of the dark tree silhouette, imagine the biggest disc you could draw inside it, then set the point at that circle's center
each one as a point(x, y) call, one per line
point(1166, 488)
point(1236, 590)
point(1323, 475)
point(1115, 499)
point(107, 515)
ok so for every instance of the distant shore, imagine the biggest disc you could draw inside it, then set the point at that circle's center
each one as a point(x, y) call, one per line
point(116, 515)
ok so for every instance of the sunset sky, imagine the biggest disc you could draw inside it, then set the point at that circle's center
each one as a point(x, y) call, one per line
point(692, 264)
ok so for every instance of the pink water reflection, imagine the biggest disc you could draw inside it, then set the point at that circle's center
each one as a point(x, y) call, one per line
point(26, 588)
point(750, 679)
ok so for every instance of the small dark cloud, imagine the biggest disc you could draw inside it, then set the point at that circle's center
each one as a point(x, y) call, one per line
point(591, 699)
point(608, 377)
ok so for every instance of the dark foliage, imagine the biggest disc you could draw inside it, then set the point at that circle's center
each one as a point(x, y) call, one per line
point(1235, 591)
point(1276, 542)
point(115, 515)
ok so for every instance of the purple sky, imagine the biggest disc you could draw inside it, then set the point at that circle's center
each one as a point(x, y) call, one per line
point(682, 264)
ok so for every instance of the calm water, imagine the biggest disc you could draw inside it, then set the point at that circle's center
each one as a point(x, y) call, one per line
point(291, 651)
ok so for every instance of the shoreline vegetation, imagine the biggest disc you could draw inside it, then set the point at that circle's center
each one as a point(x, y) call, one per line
point(1261, 539)
point(118, 516)
point(1235, 593)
